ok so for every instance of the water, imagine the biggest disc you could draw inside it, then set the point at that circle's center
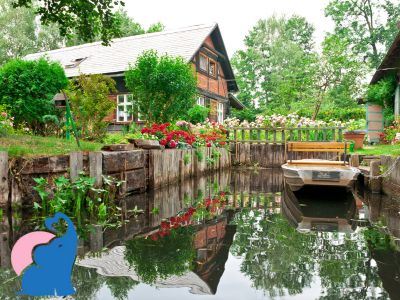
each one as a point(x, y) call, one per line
point(263, 242)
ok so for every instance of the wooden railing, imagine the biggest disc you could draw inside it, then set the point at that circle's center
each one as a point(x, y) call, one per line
point(279, 135)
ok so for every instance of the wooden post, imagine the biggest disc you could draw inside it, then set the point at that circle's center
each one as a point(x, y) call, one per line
point(375, 183)
point(181, 171)
point(354, 160)
point(75, 164)
point(96, 167)
point(5, 253)
point(96, 238)
point(4, 189)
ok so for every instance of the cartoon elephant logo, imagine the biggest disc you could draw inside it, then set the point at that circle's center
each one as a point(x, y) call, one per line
point(49, 272)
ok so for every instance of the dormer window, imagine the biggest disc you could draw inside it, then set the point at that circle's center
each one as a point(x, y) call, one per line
point(75, 62)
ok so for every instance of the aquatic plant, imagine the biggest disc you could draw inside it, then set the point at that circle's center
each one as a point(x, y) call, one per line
point(79, 199)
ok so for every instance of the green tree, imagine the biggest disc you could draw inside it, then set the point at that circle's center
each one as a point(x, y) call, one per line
point(20, 34)
point(370, 25)
point(338, 76)
point(28, 89)
point(127, 27)
point(163, 87)
point(88, 95)
point(276, 50)
point(88, 18)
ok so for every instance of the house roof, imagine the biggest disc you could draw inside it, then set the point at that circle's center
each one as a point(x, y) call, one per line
point(94, 58)
point(390, 63)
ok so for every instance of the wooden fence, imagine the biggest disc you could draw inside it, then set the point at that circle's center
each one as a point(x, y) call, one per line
point(266, 146)
point(280, 135)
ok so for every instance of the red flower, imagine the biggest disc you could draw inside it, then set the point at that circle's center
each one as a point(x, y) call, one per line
point(165, 225)
point(163, 142)
point(172, 144)
point(208, 145)
point(154, 236)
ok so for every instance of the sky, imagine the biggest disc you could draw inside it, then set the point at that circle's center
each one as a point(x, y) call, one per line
point(235, 18)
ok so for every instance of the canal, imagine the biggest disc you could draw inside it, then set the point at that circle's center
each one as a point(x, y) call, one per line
point(236, 235)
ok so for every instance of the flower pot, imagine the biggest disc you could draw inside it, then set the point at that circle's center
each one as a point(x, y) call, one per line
point(357, 137)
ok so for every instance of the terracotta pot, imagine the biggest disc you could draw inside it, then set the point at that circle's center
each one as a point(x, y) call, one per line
point(357, 137)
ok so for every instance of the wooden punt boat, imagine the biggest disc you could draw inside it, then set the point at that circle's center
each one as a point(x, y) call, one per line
point(316, 216)
point(298, 173)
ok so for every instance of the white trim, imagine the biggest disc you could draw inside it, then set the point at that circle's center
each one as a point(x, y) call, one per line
point(123, 113)
point(220, 112)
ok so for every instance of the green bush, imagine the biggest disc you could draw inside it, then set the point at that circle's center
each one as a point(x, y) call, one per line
point(382, 92)
point(28, 89)
point(90, 104)
point(197, 114)
point(342, 114)
point(163, 87)
point(247, 114)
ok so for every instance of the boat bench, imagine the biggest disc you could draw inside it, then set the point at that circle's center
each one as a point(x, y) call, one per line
point(336, 147)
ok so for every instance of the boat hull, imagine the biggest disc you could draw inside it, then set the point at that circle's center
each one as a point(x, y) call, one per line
point(319, 173)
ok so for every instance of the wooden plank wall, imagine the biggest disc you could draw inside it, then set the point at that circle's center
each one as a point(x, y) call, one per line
point(167, 166)
point(139, 169)
point(269, 155)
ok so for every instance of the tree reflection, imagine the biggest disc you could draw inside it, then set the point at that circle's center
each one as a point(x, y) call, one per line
point(280, 260)
point(161, 258)
point(120, 286)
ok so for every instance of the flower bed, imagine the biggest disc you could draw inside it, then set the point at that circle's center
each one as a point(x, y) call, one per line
point(292, 120)
point(185, 135)
point(391, 134)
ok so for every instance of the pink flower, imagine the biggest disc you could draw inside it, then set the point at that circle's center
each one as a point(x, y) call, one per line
point(4, 114)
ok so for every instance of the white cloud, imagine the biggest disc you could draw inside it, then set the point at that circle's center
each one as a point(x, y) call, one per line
point(235, 18)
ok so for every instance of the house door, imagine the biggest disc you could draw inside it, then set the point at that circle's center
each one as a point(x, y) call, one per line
point(374, 122)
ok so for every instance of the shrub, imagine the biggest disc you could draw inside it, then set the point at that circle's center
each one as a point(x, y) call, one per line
point(382, 92)
point(247, 114)
point(28, 89)
point(198, 114)
point(6, 122)
point(88, 95)
point(164, 87)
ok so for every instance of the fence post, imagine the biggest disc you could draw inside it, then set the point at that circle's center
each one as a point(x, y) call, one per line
point(96, 167)
point(4, 189)
point(75, 164)
point(299, 133)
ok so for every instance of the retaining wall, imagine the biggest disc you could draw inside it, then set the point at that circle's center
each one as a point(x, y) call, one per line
point(139, 169)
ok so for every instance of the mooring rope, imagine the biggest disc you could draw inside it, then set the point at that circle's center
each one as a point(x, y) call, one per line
point(387, 172)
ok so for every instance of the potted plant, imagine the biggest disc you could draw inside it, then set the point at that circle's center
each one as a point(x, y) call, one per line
point(356, 132)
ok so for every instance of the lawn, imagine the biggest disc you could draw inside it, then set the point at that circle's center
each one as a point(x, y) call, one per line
point(29, 145)
point(380, 150)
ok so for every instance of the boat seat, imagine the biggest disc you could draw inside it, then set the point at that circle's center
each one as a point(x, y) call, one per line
point(315, 162)
point(333, 147)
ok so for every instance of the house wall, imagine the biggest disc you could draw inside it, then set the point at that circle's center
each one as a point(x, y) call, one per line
point(214, 89)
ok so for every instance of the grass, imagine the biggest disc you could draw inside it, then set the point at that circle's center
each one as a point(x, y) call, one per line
point(393, 150)
point(31, 146)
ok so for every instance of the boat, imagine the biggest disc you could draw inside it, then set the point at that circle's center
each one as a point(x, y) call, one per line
point(322, 172)
point(311, 212)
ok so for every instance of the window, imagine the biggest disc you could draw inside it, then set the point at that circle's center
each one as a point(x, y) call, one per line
point(203, 62)
point(220, 113)
point(75, 62)
point(213, 68)
point(201, 101)
point(124, 108)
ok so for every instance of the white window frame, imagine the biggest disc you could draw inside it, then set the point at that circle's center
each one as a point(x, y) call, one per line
point(126, 104)
point(201, 101)
point(220, 112)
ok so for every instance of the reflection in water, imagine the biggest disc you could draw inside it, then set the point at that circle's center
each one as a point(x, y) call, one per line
point(315, 243)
